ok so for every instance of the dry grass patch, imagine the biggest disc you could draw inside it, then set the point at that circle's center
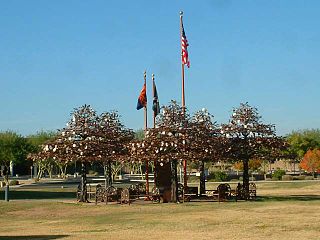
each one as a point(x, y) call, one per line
point(242, 220)
point(267, 218)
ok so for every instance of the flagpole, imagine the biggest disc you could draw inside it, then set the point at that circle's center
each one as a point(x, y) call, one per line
point(154, 125)
point(145, 108)
point(145, 129)
point(182, 66)
point(185, 182)
point(153, 92)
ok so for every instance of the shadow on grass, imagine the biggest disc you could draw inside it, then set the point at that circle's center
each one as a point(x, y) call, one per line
point(305, 198)
point(37, 195)
point(38, 237)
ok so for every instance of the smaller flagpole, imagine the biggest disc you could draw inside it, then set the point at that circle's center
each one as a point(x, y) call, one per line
point(154, 125)
point(185, 181)
point(153, 92)
point(145, 129)
point(145, 108)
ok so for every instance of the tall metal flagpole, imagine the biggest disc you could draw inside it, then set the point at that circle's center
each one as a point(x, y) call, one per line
point(145, 129)
point(185, 181)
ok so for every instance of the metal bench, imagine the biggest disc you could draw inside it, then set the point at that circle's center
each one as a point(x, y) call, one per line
point(91, 190)
point(241, 193)
point(221, 194)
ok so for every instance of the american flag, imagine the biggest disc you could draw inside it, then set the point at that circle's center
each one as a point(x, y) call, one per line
point(184, 48)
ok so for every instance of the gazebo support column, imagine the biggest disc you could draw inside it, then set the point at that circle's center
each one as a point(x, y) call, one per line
point(108, 174)
point(83, 195)
point(147, 178)
point(246, 178)
point(155, 173)
point(202, 178)
point(174, 181)
point(185, 178)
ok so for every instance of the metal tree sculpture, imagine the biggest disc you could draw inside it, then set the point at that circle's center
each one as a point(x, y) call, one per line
point(89, 137)
point(80, 141)
point(167, 142)
point(246, 137)
point(113, 138)
point(205, 138)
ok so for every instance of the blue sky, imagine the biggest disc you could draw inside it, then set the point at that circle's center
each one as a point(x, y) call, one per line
point(57, 55)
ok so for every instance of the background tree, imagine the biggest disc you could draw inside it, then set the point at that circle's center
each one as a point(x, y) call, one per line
point(13, 150)
point(7, 154)
point(36, 141)
point(254, 165)
point(311, 161)
point(139, 134)
point(299, 142)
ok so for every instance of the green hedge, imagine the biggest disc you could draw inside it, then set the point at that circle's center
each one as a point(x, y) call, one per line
point(277, 175)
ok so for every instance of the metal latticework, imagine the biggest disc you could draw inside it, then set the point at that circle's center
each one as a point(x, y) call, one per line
point(176, 137)
point(89, 137)
point(246, 137)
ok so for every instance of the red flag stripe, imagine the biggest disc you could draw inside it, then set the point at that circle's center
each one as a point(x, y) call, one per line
point(184, 48)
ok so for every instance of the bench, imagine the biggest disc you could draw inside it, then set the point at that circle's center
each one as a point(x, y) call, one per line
point(125, 196)
point(137, 191)
point(190, 193)
point(241, 194)
point(109, 194)
point(91, 190)
point(252, 191)
point(155, 194)
point(134, 192)
point(222, 193)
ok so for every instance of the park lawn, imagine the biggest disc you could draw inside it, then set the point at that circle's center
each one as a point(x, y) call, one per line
point(281, 212)
point(231, 220)
point(40, 193)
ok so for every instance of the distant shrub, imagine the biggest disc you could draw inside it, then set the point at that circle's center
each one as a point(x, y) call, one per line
point(301, 177)
point(193, 179)
point(220, 176)
point(13, 182)
point(287, 178)
point(309, 178)
point(278, 174)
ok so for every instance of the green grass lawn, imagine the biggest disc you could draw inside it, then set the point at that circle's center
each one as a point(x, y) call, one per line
point(282, 211)
point(242, 220)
